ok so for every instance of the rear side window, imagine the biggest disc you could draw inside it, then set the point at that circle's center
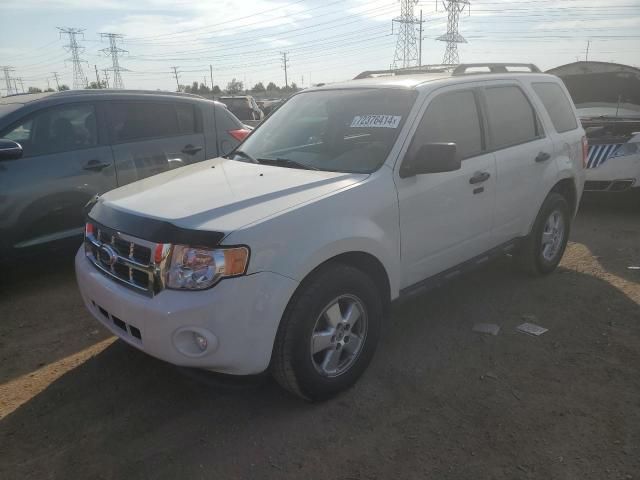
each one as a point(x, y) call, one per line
point(187, 120)
point(452, 117)
point(140, 120)
point(557, 105)
point(512, 119)
point(225, 121)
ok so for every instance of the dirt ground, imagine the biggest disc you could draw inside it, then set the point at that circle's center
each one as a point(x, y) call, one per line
point(438, 401)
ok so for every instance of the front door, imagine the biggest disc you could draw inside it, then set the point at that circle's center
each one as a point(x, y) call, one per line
point(150, 137)
point(446, 218)
point(63, 166)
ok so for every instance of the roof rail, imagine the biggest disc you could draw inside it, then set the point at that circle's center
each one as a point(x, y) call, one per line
point(493, 68)
point(91, 91)
point(406, 71)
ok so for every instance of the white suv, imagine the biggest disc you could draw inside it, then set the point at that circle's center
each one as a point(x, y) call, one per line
point(286, 254)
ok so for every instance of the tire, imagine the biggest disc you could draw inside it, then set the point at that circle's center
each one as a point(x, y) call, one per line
point(536, 257)
point(311, 313)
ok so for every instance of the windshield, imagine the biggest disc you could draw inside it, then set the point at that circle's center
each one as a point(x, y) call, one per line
point(351, 130)
point(235, 102)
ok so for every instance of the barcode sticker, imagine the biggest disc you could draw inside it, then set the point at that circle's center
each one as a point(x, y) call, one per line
point(376, 121)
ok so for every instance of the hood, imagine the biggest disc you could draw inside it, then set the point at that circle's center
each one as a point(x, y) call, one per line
point(223, 195)
point(597, 88)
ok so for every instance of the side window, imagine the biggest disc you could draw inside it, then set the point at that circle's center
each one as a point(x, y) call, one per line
point(512, 119)
point(58, 129)
point(451, 117)
point(133, 121)
point(188, 118)
point(557, 105)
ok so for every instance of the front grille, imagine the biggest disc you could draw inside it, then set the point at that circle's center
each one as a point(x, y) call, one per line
point(122, 257)
point(125, 327)
point(596, 185)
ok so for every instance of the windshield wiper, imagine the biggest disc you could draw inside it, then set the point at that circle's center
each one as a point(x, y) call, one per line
point(285, 162)
point(242, 154)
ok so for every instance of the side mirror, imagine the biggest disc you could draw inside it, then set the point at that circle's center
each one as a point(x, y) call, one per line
point(432, 158)
point(9, 150)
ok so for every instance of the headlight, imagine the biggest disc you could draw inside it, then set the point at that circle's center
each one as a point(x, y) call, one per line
point(192, 268)
point(627, 149)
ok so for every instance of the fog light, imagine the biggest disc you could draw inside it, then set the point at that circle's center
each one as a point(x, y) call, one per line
point(201, 341)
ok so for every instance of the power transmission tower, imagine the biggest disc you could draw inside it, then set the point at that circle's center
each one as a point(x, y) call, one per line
point(98, 85)
point(176, 74)
point(105, 72)
point(454, 8)
point(285, 66)
point(79, 78)
point(57, 78)
point(19, 80)
point(113, 52)
point(406, 54)
point(7, 79)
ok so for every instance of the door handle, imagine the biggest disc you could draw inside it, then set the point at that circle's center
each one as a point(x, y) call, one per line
point(542, 157)
point(191, 150)
point(96, 165)
point(479, 177)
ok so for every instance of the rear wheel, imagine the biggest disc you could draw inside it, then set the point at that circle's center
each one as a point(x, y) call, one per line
point(542, 250)
point(328, 334)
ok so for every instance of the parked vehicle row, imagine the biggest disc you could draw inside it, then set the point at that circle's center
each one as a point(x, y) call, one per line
point(285, 255)
point(75, 145)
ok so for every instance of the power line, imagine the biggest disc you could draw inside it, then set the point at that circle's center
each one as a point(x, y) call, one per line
point(453, 37)
point(79, 79)
point(113, 50)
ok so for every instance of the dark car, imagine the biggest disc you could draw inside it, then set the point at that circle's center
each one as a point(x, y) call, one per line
point(75, 145)
point(244, 107)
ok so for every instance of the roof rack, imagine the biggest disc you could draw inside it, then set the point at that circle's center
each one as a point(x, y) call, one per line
point(493, 68)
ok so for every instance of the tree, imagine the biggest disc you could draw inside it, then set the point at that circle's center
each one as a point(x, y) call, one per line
point(203, 90)
point(49, 90)
point(96, 85)
point(216, 90)
point(63, 87)
point(34, 90)
point(272, 87)
point(258, 88)
point(235, 87)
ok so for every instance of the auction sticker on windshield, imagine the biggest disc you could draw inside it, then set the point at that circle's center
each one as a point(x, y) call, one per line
point(376, 121)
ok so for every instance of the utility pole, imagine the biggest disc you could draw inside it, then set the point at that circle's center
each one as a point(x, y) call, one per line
point(97, 77)
point(55, 75)
point(48, 84)
point(285, 65)
point(175, 73)
point(79, 79)
point(211, 73)
point(420, 40)
point(105, 72)
point(112, 51)
point(7, 78)
point(586, 59)
point(406, 54)
point(453, 37)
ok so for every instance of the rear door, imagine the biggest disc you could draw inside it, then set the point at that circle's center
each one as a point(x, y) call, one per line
point(150, 137)
point(522, 152)
point(66, 162)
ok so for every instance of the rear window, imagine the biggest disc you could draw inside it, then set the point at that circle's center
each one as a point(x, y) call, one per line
point(512, 119)
point(557, 105)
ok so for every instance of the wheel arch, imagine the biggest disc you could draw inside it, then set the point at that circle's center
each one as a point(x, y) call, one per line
point(567, 188)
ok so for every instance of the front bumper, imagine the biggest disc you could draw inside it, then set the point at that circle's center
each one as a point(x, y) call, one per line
point(239, 317)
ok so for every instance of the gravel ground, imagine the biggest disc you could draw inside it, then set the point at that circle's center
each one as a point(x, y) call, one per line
point(438, 401)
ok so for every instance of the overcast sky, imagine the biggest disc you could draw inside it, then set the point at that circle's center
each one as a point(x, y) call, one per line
point(327, 40)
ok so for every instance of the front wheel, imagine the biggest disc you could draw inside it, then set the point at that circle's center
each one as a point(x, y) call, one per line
point(328, 334)
point(542, 250)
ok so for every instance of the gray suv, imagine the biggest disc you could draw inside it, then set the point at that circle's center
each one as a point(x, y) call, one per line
point(59, 150)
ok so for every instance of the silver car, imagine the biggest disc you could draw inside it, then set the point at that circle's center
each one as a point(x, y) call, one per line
point(60, 150)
